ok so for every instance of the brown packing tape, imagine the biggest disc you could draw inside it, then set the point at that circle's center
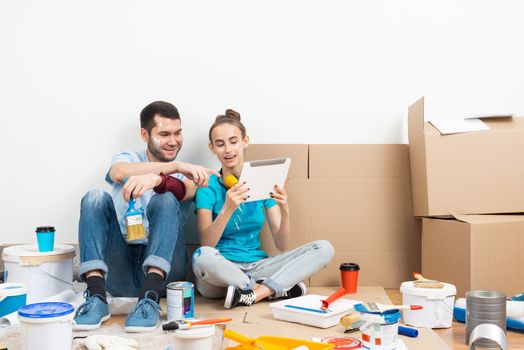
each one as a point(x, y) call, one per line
point(38, 260)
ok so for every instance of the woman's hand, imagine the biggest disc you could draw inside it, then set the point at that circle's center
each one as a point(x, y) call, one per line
point(235, 196)
point(280, 196)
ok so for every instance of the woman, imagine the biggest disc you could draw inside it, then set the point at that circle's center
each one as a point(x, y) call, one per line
point(230, 262)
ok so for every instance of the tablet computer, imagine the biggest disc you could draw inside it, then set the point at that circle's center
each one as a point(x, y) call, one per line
point(261, 175)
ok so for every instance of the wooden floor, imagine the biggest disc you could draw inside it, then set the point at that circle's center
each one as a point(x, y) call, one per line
point(456, 335)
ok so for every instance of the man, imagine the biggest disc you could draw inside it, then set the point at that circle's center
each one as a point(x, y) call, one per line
point(139, 268)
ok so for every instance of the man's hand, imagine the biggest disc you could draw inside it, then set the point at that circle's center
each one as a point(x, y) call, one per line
point(139, 184)
point(196, 173)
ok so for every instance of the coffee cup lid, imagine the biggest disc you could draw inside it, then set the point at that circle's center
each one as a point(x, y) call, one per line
point(349, 267)
point(45, 229)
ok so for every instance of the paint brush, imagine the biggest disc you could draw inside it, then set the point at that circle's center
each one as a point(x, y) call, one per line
point(376, 307)
point(181, 324)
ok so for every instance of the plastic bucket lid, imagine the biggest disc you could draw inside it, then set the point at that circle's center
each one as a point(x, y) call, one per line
point(30, 255)
point(45, 310)
point(409, 288)
point(195, 333)
point(12, 289)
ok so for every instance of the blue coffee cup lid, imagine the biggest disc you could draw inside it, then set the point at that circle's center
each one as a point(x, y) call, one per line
point(45, 310)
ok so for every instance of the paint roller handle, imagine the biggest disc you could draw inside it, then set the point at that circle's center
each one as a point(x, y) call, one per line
point(408, 332)
point(337, 295)
point(239, 338)
point(406, 307)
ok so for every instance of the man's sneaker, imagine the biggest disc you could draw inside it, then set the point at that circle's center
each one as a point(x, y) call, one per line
point(238, 297)
point(91, 313)
point(145, 315)
point(297, 290)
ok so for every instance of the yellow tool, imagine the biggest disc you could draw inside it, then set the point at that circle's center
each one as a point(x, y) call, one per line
point(230, 181)
point(273, 343)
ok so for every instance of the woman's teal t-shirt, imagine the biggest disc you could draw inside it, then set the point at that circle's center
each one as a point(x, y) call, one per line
point(240, 240)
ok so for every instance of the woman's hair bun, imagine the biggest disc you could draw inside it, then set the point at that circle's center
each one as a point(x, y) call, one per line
point(232, 114)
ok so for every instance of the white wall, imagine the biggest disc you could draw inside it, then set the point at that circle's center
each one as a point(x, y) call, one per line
point(74, 76)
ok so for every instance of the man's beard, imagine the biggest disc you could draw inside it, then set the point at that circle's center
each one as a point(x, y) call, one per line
point(157, 153)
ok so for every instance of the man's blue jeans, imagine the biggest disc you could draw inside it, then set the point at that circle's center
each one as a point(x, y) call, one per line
point(103, 247)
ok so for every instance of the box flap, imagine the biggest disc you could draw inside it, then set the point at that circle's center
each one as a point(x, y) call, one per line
point(487, 219)
point(417, 157)
point(457, 125)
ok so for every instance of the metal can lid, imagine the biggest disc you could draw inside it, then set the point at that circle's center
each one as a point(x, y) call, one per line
point(180, 285)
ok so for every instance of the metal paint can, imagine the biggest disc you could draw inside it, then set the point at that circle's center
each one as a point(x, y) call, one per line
point(180, 300)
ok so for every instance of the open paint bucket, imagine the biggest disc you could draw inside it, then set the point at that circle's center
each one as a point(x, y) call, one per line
point(380, 330)
point(12, 297)
point(198, 338)
point(46, 326)
point(44, 274)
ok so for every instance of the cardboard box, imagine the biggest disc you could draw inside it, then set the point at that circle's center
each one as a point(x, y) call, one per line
point(297, 153)
point(467, 173)
point(298, 194)
point(475, 252)
point(361, 202)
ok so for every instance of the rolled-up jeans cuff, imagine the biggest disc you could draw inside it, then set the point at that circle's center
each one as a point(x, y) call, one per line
point(158, 262)
point(274, 286)
point(92, 265)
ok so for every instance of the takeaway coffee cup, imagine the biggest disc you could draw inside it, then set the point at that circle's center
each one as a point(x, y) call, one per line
point(45, 235)
point(349, 276)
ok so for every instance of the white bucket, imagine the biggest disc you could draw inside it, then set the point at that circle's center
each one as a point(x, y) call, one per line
point(437, 305)
point(43, 273)
point(198, 338)
point(46, 326)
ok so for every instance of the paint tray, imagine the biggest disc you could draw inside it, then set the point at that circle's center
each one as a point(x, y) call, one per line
point(295, 310)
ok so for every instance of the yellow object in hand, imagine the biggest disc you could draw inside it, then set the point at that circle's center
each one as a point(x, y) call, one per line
point(230, 181)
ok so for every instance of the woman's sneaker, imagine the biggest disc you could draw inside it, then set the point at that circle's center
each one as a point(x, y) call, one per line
point(238, 297)
point(296, 291)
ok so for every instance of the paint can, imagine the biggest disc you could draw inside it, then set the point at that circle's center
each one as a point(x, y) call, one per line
point(12, 297)
point(437, 305)
point(44, 274)
point(180, 300)
point(198, 338)
point(46, 326)
point(380, 330)
point(485, 307)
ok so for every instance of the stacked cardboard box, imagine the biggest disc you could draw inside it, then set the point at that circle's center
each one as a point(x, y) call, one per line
point(469, 173)
point(359, 198)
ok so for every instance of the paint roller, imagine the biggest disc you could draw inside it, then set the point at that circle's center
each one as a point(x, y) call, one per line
point(349, 277)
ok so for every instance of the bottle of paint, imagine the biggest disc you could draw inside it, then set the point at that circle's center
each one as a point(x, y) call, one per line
point(134, 222)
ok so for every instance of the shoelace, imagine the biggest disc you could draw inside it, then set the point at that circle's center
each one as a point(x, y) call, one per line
point(144, 305)
point(88, 305)
point(247, 299)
